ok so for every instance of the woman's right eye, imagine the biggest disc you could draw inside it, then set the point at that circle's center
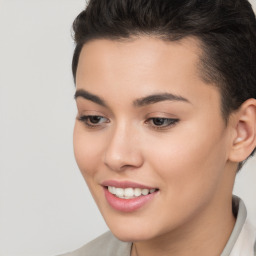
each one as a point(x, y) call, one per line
point(93, 121)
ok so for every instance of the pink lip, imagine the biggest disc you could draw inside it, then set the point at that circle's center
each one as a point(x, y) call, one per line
point(126, 205)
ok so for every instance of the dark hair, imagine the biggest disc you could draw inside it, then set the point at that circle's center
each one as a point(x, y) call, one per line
point(226, 30)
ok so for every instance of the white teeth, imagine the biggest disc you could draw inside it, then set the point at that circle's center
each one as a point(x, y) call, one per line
point(112, 190)
point(128, 193)
point(144, 191)
point(119, 192)
point(137, 192)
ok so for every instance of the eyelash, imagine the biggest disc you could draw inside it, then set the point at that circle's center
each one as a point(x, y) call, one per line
point(167, 122)
point(87, 120)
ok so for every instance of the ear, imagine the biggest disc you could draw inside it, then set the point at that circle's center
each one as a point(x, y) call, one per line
point(244, 139)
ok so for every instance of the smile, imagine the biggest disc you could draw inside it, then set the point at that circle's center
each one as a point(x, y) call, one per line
point(126, 196)
point(129, 193)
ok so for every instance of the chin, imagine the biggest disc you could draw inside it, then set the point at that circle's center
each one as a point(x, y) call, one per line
point(128, 231)
point(131, 236)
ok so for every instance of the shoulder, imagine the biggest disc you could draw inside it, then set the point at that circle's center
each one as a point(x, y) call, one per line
point(106, 244)
point(243, 237)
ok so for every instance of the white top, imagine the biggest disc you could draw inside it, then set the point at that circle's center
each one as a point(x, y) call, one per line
point(242, 241)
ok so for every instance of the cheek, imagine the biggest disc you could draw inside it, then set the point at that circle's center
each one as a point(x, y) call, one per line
point(189, 169)
point(87, 150)
point(189, 161)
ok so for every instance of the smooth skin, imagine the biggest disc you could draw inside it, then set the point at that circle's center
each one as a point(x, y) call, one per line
point(180, 145)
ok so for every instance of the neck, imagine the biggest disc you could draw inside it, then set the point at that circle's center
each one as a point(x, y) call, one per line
point(205, 235)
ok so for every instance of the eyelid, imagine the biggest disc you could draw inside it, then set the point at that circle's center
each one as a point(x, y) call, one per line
point(158, 114)
point(165, 119)
point(83, 112)
point(170, 122)
point(85, 119)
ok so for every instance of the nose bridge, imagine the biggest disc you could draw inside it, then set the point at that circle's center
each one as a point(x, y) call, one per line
point(123, 147)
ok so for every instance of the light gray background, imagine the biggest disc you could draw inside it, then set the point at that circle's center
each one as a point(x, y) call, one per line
point(45, 206)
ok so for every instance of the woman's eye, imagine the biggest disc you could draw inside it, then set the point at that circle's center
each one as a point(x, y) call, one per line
point(93, 121)
point(161, 122)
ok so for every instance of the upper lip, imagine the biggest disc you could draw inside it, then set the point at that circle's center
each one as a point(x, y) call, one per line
point(124, 184)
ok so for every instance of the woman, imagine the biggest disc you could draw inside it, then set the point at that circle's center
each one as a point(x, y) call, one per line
point(166, 99)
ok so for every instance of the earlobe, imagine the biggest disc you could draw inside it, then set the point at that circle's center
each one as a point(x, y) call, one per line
point(244, 141)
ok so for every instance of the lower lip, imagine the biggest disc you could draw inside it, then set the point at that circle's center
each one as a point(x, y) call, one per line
point(127, 205)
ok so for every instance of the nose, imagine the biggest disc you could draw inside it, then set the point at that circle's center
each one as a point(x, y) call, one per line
point(123, 149)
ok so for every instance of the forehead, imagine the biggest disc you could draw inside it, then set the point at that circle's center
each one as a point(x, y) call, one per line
point(141, 66)
point(143, 52)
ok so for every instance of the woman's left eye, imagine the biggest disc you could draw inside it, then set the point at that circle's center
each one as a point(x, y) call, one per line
point(161, 122)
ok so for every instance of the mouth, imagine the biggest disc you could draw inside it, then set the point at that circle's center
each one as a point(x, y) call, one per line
point(128, 196)
point(130, 193)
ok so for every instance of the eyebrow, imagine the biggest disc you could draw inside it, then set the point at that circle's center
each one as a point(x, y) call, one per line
point(89, 96)
point(151, 99)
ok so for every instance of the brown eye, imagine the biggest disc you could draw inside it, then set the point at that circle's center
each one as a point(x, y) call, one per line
point(161, 122)
point(93, 121)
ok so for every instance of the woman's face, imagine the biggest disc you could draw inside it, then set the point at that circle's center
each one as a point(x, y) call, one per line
point(150, 130)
